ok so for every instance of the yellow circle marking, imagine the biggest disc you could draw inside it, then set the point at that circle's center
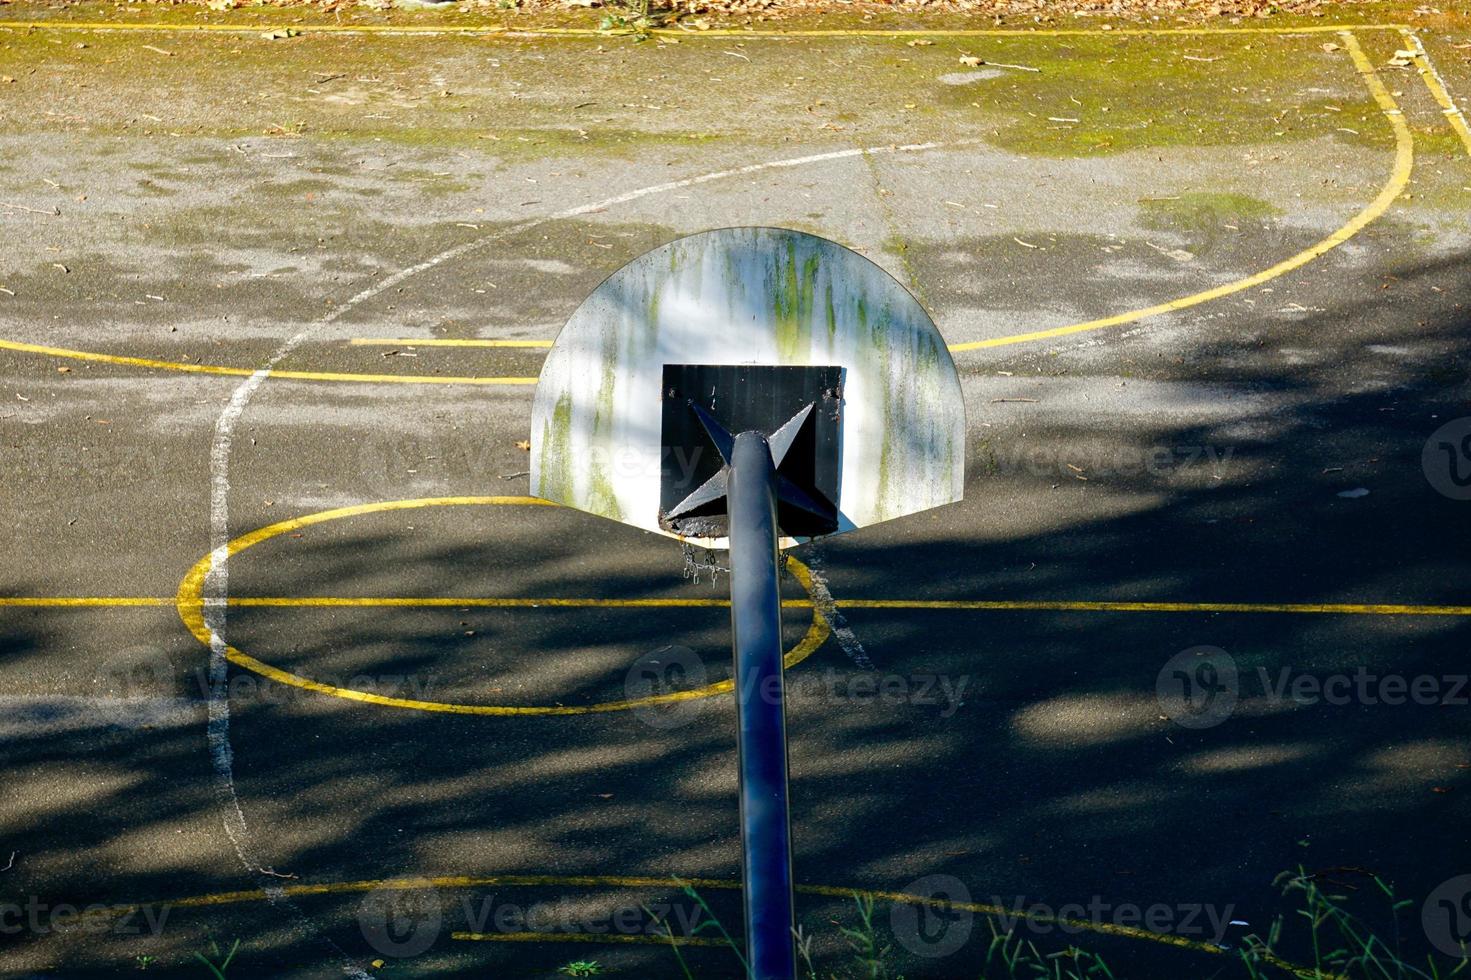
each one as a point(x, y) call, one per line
point(190, 603)
point(1398, 179)
point(456, 882)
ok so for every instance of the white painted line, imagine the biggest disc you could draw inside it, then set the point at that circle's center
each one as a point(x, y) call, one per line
point(822, 601)
point(216, 583)
point(1453, 110)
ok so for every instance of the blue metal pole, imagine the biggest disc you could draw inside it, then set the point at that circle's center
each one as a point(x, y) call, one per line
point(755, 602)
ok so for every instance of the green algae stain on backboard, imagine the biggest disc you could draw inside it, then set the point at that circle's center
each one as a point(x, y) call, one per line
point(760, 296)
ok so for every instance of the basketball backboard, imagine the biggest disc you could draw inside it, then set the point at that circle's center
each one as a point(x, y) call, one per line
point(715, 326)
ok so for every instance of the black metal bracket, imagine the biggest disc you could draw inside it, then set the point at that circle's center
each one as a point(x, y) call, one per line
point(798, 409)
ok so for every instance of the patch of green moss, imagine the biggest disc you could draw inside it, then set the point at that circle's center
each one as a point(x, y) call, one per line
point(1201, 210)
point(1098, 95)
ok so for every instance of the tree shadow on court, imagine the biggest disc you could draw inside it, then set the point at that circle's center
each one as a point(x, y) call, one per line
point(1051, 773)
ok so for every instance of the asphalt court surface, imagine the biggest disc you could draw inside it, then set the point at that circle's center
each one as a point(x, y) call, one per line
point(1190, 328)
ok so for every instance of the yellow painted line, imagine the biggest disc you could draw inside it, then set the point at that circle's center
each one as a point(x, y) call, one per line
point(80, 602)
point(234, 372)
point(1063, 605)
point(510, 602)
point(190, 607)
point(1438, 90)
point(463, 882)
point(412, 379)
point(606, 938)
point(501, 30)
point(959, 605)
point(1404, 158)
point(443, 342)
point(146, 362)
point(1008, 31)
point(592, 602)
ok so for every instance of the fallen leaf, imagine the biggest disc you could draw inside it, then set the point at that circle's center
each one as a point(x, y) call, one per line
point(1330, 47)
point(920, 43)
point(971, 61)
point(524, 444)
point(63, 370)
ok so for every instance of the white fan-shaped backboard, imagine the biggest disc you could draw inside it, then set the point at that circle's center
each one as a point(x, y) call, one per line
point(765, 296)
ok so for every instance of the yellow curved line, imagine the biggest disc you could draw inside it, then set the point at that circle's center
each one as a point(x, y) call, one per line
point(1398, 180)
point(457, 882)
point(1404, 158)
point(190, 603)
